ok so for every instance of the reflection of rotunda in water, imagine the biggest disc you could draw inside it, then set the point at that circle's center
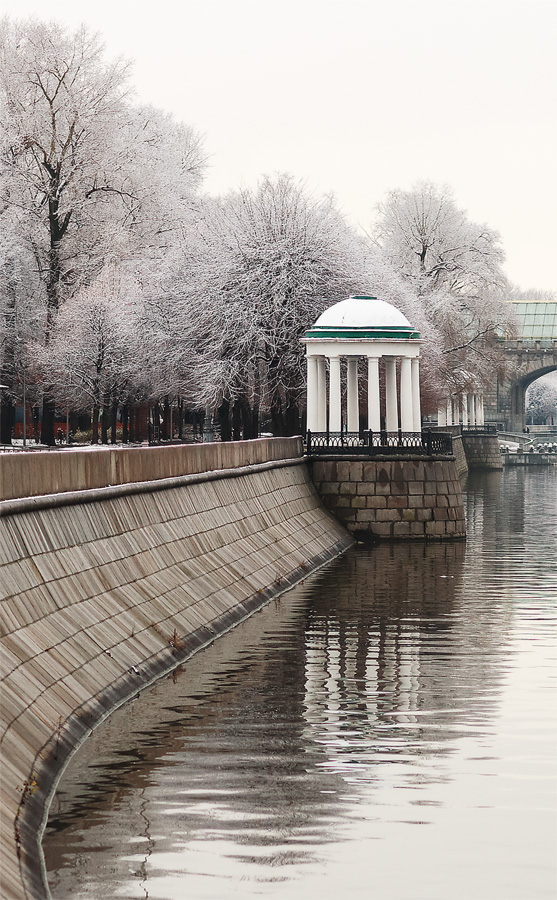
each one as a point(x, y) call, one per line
point(387, 654)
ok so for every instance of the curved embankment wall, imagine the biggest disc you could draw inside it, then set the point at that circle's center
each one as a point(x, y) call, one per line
point(105, 588)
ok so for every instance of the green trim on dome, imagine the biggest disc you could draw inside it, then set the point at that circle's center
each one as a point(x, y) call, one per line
point(391, 332)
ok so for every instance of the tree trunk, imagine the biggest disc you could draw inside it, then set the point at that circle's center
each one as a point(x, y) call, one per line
point(292, 418)
point(105, 421)
point(277, 416)
point(165, 429)
point(224, 420)
point(113, 422)
point(237, 421)
point(247, 420)
point(180, 414)
point(58, 226)
point(125, 420)
point(95, 426)
point(47, 422)
point(6, 420)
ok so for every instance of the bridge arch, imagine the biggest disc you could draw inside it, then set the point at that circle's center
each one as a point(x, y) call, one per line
point(531, 354)
point(518, 396)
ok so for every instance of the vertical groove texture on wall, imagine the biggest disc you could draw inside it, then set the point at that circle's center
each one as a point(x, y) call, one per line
point(98, 599)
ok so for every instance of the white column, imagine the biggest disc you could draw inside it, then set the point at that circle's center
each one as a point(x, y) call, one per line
point(311, 401)
point(449, 412)
point(321, 394)
point(481, 419)
point(373, 396)
point(334, 394)
point(416, 407)
point(390, 394)
point(473, 409)
point(406, 414)
point(465, 409)
point(352, 404)
point(442, 416)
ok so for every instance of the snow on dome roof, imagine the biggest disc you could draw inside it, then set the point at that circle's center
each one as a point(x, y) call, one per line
point(361, 316)
point(360, 311)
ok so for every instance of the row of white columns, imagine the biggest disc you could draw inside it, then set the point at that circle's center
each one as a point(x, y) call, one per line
point(409, 389)
point(467, 409)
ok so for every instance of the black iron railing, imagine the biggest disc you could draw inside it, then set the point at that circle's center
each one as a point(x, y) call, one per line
point(374, 443)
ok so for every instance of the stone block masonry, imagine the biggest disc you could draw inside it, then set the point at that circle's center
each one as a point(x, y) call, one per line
point(393, 498)
point(105, 588)
point(482, 451)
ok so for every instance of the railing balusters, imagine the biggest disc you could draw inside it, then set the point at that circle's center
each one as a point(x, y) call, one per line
point(369, 443)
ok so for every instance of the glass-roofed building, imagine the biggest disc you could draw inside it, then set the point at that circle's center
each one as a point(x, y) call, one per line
point(537, 321)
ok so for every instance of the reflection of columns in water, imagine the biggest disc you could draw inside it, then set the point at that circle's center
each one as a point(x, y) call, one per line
point(379, 668)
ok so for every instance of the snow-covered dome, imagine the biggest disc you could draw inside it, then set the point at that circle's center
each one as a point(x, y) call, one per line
point(362, 316)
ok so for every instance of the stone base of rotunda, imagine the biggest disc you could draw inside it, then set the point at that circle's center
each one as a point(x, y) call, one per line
point(393, 498)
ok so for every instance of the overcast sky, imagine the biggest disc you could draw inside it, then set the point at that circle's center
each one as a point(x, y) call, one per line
point(357, 98)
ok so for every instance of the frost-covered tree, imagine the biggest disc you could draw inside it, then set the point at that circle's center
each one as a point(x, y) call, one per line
point(260, 268)
point(88, 178)
point(541, 400)
point(93, 354)
point(454, 267)
point(531, 295)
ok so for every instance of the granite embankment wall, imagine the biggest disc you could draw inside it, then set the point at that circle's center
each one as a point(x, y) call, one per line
point(482, 451)
point(393, 498)
point(139, 559)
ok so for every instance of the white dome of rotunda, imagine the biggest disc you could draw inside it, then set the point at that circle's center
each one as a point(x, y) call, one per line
point(362, 316)
point(362, 311)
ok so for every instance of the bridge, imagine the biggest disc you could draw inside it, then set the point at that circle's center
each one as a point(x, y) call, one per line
point(531, 354)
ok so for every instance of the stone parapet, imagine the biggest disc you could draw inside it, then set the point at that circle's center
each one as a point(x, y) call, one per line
point(393, 499)
point(482, 451)
point(32, 473)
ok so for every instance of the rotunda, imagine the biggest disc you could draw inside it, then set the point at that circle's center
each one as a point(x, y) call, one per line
point(362, 326)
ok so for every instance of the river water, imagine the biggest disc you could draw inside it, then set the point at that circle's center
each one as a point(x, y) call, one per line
point(386, 730)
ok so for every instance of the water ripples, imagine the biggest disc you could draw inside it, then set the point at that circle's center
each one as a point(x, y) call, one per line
point(386, 730)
